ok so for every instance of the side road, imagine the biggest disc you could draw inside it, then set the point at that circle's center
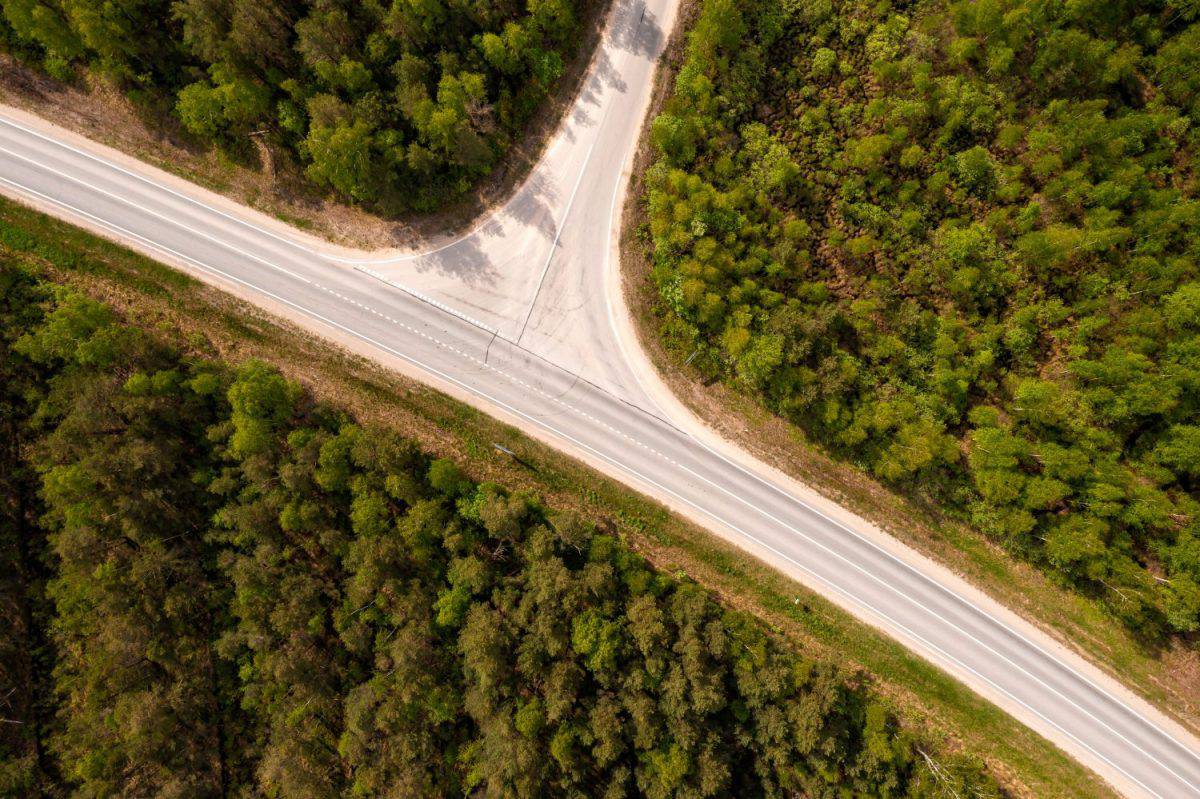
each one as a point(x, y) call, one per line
point(522, 318)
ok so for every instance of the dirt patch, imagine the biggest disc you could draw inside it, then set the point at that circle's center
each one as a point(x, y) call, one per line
point(1170, 678)
point(275, 184)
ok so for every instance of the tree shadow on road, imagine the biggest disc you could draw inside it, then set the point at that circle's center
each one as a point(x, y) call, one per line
point(533, 205)
point(638, 33)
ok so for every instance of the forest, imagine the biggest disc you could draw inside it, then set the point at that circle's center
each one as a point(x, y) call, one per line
point(956, 243)
point(399, 106)
point(212, 585)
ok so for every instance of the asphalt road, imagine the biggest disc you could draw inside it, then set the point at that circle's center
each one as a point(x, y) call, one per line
point(516, 317)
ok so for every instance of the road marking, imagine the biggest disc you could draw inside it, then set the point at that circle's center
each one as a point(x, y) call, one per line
point(154, 214)
point(606, 275)
point(957, 598)
point(426, 298)
point(952, 625)
point(558, 231)
point(224, 214)
point(625, 467)
point(801, 534)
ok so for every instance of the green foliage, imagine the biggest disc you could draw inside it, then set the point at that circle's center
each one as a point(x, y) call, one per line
point(122, 456)
point(260, 400)
point(26, 656)
point(229, 105)
point(250, 595)
point(958, 246)
point(397, 105)
point(674, 138)
point(341, 158)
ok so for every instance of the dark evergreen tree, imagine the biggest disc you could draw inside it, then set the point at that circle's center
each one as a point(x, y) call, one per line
point(251, 595)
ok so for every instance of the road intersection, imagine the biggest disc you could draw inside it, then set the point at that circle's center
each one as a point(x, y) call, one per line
point(522, 316)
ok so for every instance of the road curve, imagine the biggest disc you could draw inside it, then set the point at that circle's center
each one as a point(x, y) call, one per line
point(515, 317)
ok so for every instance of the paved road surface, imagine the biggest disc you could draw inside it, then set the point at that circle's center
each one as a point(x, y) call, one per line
point(539, 272)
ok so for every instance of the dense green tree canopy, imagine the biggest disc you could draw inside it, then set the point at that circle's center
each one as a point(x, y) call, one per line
point(250, 595)
point(957, 242)
point(397, 104)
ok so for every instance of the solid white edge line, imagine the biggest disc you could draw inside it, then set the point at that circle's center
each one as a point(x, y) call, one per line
point(608, 274)
point(294, 243)
point(155, 214)
point(956, 597)
point(562, 223)
point(589, 77)
point(612, 461)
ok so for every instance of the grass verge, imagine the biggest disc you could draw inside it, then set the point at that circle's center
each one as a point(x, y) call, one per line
point(159, 297)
